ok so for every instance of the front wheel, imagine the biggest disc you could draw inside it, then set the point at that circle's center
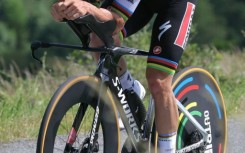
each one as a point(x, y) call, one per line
point(68, 120)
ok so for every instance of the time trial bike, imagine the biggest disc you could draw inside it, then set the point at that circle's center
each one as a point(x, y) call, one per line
point(82, 115)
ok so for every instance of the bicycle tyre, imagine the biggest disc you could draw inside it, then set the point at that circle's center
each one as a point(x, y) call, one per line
point(199, 92)
point(71, 93)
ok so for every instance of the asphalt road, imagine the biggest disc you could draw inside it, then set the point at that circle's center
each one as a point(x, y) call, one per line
point(235, 143)
point(236, 135)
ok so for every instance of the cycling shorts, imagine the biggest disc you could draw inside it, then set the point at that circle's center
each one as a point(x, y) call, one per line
point(170, 30)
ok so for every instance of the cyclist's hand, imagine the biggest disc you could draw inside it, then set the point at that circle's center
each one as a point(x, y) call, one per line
point(55, 13)
point(69, 9)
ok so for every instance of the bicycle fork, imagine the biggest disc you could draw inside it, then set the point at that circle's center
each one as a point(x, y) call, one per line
point(75, 126)
point(93, 145)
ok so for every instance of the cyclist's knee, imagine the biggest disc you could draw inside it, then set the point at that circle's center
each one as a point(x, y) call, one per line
point(159, 82)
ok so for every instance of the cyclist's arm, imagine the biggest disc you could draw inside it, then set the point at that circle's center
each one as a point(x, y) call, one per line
point(141, 16)
point(72, 9)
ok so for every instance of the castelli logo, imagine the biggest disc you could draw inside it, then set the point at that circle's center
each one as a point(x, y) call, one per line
point(157, 50)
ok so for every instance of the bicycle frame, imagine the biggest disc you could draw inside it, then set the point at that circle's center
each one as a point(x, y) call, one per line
point(134, 132)
point(108, 64)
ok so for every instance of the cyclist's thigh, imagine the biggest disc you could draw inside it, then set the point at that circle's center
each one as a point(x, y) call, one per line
point(170, 34)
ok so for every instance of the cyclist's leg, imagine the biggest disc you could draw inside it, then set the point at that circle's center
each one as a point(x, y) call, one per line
point(127, 81)
point(166, 117)
point(169, 38)
point(121, 15)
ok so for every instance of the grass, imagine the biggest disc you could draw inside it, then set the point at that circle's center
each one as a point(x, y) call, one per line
point(232, 81)
point(24, 96)
point(23, 99)
point(22, 102)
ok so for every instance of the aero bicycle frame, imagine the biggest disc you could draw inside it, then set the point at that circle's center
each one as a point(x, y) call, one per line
point(108, 65)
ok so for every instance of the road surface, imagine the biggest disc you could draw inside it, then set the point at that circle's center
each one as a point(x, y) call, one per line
point(235, 143)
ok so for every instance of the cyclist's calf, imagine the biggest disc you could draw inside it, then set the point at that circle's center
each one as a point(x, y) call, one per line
point(166, 109)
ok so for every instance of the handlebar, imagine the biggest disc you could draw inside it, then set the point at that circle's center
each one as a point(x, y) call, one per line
point(82, 27)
